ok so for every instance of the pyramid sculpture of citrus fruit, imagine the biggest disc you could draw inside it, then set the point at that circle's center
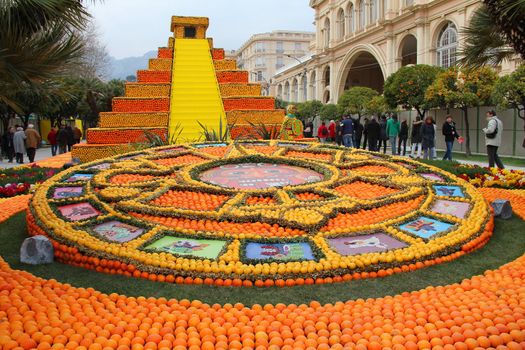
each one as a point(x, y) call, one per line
point(189, 82)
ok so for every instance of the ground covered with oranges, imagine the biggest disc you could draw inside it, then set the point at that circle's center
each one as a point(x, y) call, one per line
point(474, 302)
point(258, 213)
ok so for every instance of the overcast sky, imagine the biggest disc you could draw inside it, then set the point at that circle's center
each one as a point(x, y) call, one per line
point(133, 27)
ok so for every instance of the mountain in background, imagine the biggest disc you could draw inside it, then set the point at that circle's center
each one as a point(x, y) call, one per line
point(121, 68)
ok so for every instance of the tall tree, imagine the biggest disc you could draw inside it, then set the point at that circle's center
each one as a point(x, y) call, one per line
point(463, 89)
point(407, 87)
point(355, 100)
point(309, 109)
point(37, 40)
point(329, 111)
point(509, 92)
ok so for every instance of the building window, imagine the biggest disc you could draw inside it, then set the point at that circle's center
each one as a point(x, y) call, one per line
point(259, 62)
point(259, 47)
point(340, 24)
point(298, 46)
point(326, 33)
point(279, 47)
point(409, 3)
point(373, 10)
point(361, 10)
point(280, 62)
point(351, 20)
point(447, 46)
point(259, 76)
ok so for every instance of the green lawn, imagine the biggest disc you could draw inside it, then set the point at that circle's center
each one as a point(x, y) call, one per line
point(506, 245)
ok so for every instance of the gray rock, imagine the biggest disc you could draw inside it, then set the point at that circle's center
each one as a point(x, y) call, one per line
point(502, 208)
point(36, 250)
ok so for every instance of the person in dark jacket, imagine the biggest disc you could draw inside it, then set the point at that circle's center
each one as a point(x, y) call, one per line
point(339, 132)
point(373, 131)
point(365, 133)
point(70, 137)
point(358, 133)
point(382, 134)
point(8, 146)
point(403, 137)
point(62, 140)
point(450, 133)
point(428, 134)
point(415, 138)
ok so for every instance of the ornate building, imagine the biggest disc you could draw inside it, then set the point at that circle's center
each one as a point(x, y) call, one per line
point(263, 54)
point(361, 42)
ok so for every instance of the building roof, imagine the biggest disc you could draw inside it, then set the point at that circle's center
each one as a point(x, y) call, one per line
point(294, 64)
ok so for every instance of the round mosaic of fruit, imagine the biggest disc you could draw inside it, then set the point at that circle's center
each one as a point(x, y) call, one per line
point(258, 211)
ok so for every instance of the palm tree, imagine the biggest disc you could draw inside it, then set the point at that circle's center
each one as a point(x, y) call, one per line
point(38, 38)
point(496, 32)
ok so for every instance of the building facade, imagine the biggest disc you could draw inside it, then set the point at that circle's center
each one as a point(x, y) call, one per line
point(362, 42)
point(263, 54)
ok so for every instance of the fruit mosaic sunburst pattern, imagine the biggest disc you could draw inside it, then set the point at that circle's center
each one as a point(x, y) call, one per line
point(260, 210)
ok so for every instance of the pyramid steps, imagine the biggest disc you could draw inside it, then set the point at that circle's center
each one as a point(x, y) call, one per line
point(189, 80)
point(133, 119)
point(147, 90)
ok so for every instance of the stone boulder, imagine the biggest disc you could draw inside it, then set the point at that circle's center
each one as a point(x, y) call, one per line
point(502, 208)
point(36, 250)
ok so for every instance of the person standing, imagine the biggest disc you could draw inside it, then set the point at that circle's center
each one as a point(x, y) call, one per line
point(493, 139)
point(70, 137)
point(382, 134)
point(358, 133)
point(62, 140)
point(77, 134)
point(450, 133)
point(365, 133)
point(32, 140)
point(339, 132)
point(392, 130)
point(10, 144)
point(415, 138)
point(19, 143)
point(373, 131)
point(331, 131)
point(322, 132)
point(403, 137)
point(347, 127)
point(52, 139)
point(428, 133)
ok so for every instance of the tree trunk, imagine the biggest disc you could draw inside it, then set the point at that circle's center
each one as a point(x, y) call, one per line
point(468, 153)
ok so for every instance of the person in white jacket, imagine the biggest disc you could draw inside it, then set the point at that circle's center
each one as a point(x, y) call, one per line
point(493, 133)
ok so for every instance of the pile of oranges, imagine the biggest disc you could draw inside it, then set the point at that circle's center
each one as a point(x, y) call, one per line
point(248, 103)
point(365, 190)
point(190, 200)
point(181, 160)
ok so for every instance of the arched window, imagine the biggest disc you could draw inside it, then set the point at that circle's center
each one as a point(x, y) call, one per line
point(286, 95)
point(447, 46)
point(374, 9)
point(326, 77)
point(280, 91)
point(351, 18)
point(340, 24)
point(361, 10)
point(326, 32)
point(313, 86)
point(295, 88)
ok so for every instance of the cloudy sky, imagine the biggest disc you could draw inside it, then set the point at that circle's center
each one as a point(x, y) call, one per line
point(133, 27)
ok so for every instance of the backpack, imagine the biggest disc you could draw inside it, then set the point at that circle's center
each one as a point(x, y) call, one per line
point(324, 132)
point(493, 134)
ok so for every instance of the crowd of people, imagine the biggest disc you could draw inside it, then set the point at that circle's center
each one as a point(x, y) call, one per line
point(376, 133)
point(16, 142)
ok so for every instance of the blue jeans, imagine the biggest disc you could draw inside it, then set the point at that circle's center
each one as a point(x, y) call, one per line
point(448, 154)
point(393, 144)
point(54, 149)
point(347, 140)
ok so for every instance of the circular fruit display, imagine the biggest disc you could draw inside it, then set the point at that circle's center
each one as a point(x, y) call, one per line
point(258, 211)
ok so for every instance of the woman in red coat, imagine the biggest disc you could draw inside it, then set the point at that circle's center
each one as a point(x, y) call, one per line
point(331, 131)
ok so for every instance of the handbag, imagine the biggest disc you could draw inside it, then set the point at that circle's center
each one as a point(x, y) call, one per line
point(493, 134)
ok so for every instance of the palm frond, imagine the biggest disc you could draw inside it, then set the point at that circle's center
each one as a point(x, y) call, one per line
point(484, 44)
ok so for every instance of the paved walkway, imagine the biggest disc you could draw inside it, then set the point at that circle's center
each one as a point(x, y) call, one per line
point(41, 154)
